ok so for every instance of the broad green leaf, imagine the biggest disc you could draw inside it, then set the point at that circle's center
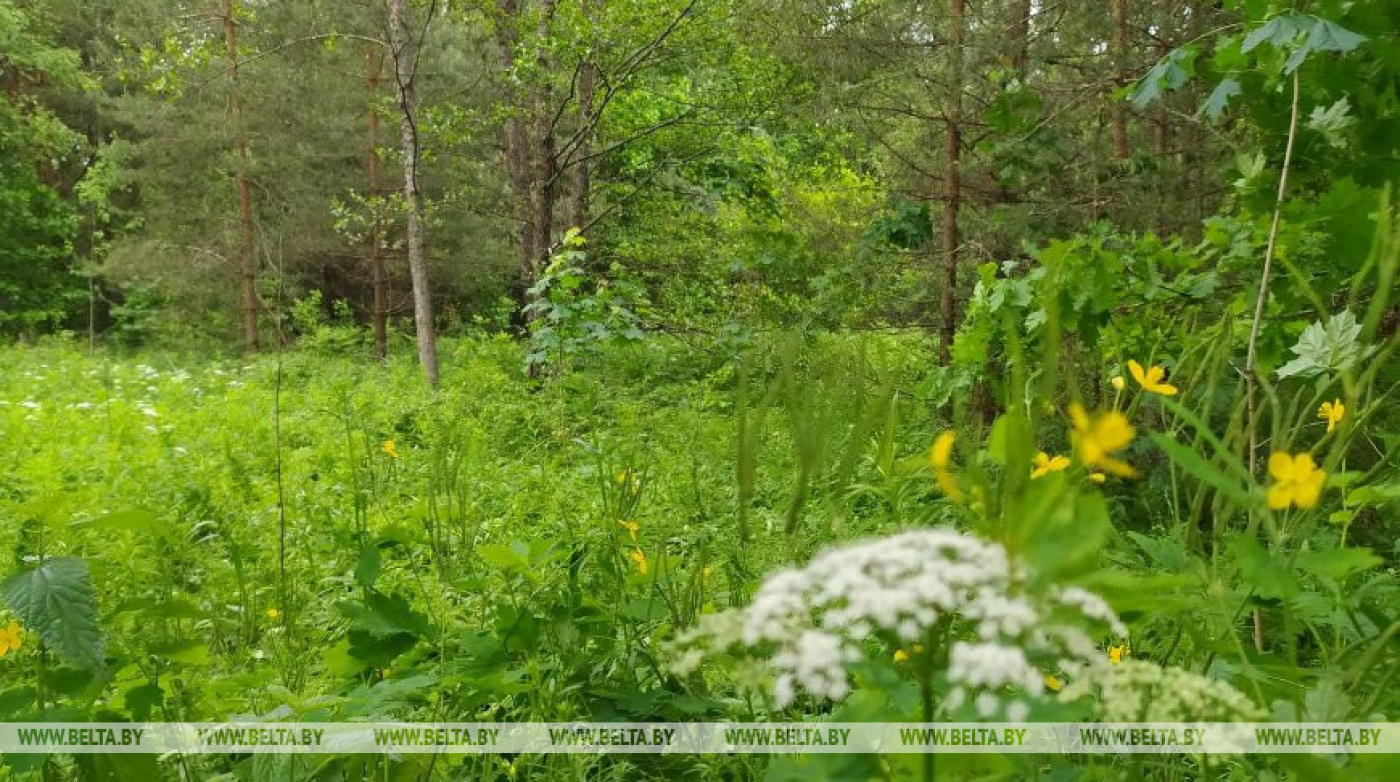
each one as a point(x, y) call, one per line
point(188, 651)
point(1214, 105)
point(1337, 563)
point(1327, 348)
point(381, 615)
point(135, 519)
point(1260, 569)
point(56, 601)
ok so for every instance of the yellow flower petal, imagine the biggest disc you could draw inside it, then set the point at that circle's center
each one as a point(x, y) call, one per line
point(1135, 369)
point(1117, 382)
point(1280, 466)
point(900, 656)
point(942, 452)
point(1279, 496)
point(1053, 682)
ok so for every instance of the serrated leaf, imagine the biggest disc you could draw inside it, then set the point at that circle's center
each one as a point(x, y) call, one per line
point(383, 615)
point(1337, 563)
point(1326, 348)
point(1259, 568)
point(1328, 37)
point(56, 601)
point(1215, 104)
point(1332, 122)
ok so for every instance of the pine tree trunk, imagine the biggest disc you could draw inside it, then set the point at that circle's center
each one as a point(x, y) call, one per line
point(247, 268)
point(1020, 36)
point(952, 185)
point(1119, 52)
point(413, 198)
point(374, 60)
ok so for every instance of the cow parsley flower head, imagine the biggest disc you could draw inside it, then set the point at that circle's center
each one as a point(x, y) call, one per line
point(1139, 691)
point(811, 622)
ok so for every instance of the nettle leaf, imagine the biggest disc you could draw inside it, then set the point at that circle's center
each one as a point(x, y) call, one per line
point(382, 615)
point(56, 601)
point(1332, 347)
point(1214, 105)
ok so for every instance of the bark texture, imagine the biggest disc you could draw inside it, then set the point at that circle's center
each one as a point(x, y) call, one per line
point(404, 66)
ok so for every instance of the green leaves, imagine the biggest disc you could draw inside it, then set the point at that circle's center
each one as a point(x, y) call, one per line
point(1318, 35)
point(1330, 348)
point(56, 601)
point(1170, 73)
point(1214, 104)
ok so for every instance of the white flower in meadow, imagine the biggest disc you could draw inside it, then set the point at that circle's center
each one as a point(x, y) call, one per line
point(811, 622)
point(1018, 711)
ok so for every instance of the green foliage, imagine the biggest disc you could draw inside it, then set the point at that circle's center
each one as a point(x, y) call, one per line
point(56, 599)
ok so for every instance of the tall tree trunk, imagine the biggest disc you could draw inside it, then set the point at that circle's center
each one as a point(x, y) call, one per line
point(1020, 36)
point(1119, 53)
point(515, 144)
point(404, 66)
point(374, 60)
point(542, 186)
point(247, 268)
point(578, 200)
point(952, 185)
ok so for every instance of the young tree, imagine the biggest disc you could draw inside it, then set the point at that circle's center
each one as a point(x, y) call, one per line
point(247, 260)
point(405, 67)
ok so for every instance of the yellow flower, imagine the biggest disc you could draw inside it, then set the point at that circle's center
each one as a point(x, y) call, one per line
point(939, 457)
point(1097, 477)
point(901, 656)
point(273, 613)
point(641, 559)
point(1095, 439)
point(1044, 464)
point(388, 447)
point(631, 527)
point(1117, 382)
point(10, 638)
point(1053, 682)
point(628, 478)
point(1332, 413)
point(1297, 481)
point(705, 572)
point(1117, 652)
point(1151, 380)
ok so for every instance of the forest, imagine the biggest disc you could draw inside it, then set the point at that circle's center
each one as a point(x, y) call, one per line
point(483, 367)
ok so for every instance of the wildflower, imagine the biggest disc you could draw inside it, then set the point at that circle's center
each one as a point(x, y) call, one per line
point(1117, 652)
point(628, 479)
point(639, 557)
point(10, 638)
point(811, 622)
point(1044, 464)
point(273, 613)
point(1097, 477)
point(1297, 481)
point(900, 656)
point(940, 456)
point(1117, 382)
point(1332, 413)
point(1053, 683)
point(631, 527)
point(1151, 380)
point(389, 448)
point(1096, 439)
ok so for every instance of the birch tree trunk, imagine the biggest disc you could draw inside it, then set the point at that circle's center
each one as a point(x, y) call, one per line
point(247, 268)
point(404, 66)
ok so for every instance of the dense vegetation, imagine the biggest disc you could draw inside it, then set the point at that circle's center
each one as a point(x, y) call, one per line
point(526, 360)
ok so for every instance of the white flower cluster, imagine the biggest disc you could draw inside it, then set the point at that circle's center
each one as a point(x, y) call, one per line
point(1139, 691)
point(810, 622)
